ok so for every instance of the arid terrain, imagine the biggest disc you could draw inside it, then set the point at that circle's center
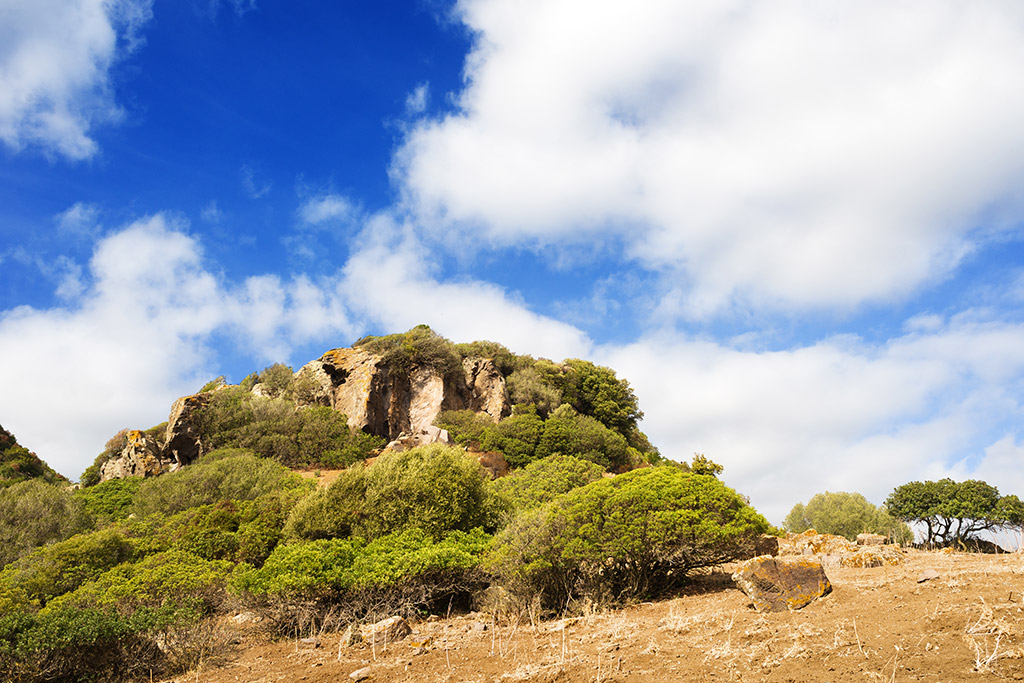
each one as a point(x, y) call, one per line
point(878, 624)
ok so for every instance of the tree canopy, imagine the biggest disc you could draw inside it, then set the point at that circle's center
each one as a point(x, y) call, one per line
point(845, 514)
point(954, 511)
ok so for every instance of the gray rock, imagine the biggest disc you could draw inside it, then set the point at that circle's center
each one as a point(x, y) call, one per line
point(360, 674)
point(927, 575)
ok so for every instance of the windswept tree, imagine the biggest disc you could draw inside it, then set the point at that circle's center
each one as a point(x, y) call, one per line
point(954, 511)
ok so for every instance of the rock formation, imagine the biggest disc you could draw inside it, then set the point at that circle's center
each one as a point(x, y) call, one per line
point(140, 457)
point(399, 404)
point(389, 403)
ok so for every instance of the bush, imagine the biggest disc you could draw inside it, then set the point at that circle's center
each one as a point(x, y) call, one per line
point(434, 488)
point(76, 645)
point(465, 427)
point(302, 583)
point(516, 436)
point(629, 537)
point(526, 386)
point(845, 514)
point(62, 567)
point(569, 433)
point(33, 513)
point(542, 481)
point(420, 346)
point(182, 584)
point(228, 474)
point(111, 500)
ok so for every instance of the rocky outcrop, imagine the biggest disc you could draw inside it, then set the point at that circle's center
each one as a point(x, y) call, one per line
point(140, 457)
point(182, 438)
point(399, 404)
point(389, 402)
point(871, 539)
point(781, 584)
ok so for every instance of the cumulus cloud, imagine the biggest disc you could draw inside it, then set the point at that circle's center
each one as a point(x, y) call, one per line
point(137, 336)
point(784, 155)
point(55, 60)
point(841, 414)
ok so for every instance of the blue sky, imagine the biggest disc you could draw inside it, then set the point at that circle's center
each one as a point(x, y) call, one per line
point(794, 227)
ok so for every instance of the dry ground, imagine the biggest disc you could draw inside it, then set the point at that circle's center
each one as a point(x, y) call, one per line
point(877, 625)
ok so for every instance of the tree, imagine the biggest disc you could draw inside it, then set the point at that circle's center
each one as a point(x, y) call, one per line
point(954, 511)
point(844, 514)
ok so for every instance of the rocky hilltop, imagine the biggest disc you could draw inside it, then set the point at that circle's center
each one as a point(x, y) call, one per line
point(378, 395)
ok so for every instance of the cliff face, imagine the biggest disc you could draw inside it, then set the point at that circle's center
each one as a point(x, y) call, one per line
point(388, 403)
point(374, 397)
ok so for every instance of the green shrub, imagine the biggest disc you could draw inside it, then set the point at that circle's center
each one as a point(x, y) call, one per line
point(33, 513)
point(396, 573)
point(542, 481)
point(526, 386)
point(72, 645)
point(178, 582)
point(420, 346)
point(569, 433)
point(465, 427)
point(229, 474)
point(628, 537)
point(435, 488)
point(111, 500)
point(516, 436)
point(64, 566)
point(17, 463)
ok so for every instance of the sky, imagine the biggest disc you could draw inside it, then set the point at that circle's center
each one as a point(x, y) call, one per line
point(794, 227)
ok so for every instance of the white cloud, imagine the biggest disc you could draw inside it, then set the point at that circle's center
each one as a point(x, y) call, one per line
point(841, 414)
point(776, 155)
point(416, 102)
point(80, 221)
point(328, 207)
point(55, 59)
point(211, 213)
point(138, 337)
point(255, 189)
point(389, 282)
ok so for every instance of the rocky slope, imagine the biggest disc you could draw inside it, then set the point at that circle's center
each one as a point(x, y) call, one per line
point(397, 403)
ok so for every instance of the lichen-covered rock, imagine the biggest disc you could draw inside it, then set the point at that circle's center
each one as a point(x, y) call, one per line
point(140, 457)
point(777, 584)
point(870, 556)
point(425, 437)
point(811, 542)
point(871, 539)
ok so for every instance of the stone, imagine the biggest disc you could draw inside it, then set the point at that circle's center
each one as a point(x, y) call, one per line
point(351, 636)
point(927, 575)
point(766, 544)
point(869, 556)
point(182, 444)
point(777, 584)
point(387, 631)
point(360, 674)
point(871, 539)
point(140, 457)
point(310, 642)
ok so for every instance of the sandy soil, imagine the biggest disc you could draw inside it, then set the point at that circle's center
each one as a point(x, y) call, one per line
point(877, 625)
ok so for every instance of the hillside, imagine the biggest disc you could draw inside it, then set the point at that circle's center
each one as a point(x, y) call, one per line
point(17, 463)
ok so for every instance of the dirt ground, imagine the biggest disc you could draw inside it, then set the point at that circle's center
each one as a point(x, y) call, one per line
point(878, 624)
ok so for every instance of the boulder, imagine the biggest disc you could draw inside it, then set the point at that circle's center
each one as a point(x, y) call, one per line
point(387, 631)
point(766, 544)
point(140, 457)
point(428, 435)
point(810, 542)
point(183, 445)
point(871, 539)
point(776, 584)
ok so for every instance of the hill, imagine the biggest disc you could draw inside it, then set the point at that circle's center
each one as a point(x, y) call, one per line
point(17, 463)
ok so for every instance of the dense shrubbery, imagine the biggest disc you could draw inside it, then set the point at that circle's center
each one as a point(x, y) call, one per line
point(111, 500)
point(398, 572)
point(33, 513)
point(274, 428)
point(419, 346)
point(433, 488)
point(542, 481)
point(845, 514)
point(631, 536)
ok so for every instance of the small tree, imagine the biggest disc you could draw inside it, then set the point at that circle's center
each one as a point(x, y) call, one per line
point(845, 514)
point(953, 511)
